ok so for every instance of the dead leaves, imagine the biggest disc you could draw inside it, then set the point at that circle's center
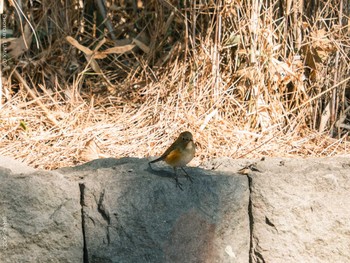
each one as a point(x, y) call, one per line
point(91, 151)
point(99, 54)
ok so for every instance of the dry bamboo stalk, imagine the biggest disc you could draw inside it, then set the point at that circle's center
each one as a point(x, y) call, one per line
point(254, 26)
point(334, 103)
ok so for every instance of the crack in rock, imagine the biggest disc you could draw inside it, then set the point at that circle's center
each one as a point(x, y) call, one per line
point(82, 203)
point(254, 255)
point(105, 214)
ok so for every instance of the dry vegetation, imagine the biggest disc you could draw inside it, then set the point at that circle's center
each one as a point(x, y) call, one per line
point(249, 78)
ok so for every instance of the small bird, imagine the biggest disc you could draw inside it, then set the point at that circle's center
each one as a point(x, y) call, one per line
point(180, 153)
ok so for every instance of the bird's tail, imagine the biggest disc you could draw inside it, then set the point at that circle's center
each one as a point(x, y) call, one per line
point(157, 160)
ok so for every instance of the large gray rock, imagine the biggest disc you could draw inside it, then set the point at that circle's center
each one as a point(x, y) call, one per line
point(300, 209)
point(134, 214)
point(40, 217)
point(108, 210)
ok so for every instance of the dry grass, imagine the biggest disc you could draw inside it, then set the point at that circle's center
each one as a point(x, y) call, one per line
point(246, 80)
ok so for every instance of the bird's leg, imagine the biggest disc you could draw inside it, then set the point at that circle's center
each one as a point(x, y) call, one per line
point(187, 176)
point(178, 184)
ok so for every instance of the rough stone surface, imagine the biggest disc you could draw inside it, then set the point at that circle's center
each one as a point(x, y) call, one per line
point(108, 210)
point(40, 218)
point(300, 209)
point(134, 214)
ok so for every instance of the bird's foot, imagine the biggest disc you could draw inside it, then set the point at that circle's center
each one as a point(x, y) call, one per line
point(178, 184)
point(187, 175)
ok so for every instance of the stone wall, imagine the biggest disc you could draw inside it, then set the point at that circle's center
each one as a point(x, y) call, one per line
point(108, 210)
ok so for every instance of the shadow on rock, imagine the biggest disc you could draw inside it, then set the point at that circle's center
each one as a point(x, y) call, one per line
point(133, 213)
